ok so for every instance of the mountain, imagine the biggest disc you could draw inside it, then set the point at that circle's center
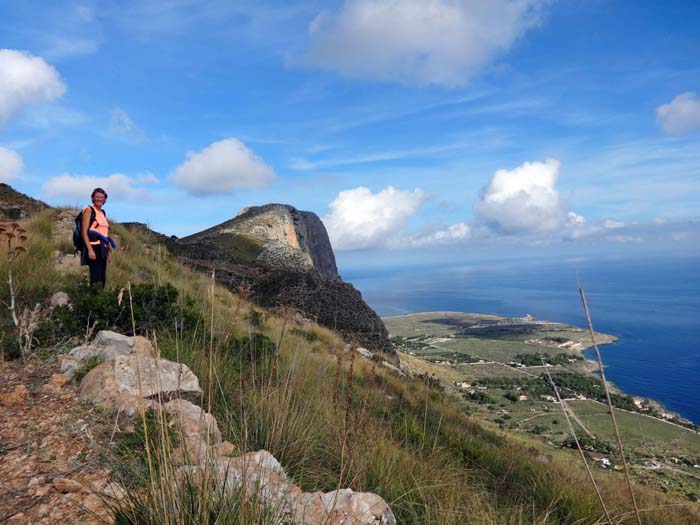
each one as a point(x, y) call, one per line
point(287, 258)
point(15, 205)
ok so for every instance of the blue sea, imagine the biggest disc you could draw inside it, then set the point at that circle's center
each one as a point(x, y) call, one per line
point(652, 305)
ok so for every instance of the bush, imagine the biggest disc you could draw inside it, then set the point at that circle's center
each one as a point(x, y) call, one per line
point(9, 346)
point(155, 308)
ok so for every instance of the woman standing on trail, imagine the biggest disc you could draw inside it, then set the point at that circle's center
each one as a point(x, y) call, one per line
point(95, 232)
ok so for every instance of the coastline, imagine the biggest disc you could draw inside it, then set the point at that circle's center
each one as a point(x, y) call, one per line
point(588, 365)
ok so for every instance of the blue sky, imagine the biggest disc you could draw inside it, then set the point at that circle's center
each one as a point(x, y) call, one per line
point(427, 130)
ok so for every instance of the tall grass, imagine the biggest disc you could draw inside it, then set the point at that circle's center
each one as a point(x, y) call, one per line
point(332, 419)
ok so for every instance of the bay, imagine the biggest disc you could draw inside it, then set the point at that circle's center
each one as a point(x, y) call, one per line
point(652, 305)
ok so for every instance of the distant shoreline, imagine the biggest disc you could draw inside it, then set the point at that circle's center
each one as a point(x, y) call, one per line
point(591, 364)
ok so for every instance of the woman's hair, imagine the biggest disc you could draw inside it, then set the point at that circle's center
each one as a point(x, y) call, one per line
point(98, 190)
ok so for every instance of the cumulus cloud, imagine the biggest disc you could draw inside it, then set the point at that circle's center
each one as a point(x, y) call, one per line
point(76, 188)
point(525, 200)
point(681, 116)
point(24, 80)
point(221, 167)
point(359, 219)
point(428, 42)
point(10, 165)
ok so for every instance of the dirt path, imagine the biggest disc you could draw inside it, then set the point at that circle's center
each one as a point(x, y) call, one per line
point(48, 457)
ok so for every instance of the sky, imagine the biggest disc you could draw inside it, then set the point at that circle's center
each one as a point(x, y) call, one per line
point(418, 130)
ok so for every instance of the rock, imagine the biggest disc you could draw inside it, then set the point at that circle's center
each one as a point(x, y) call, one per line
point(198, 430)
point(56, 382)
point(261, 474)
point(36, 481)
point(106, 345)
point(345, 506)
point(117, 343)
point(114, 491)
point(226, 449)
point(364, 352)
point(66, 486)
point(143, 346)
point(16, 397)
point(59, 299)
point(133, 383)
point(394, 368)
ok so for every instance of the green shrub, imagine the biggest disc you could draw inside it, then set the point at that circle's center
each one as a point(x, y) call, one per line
point(253, 347)
point(155, 308)
point(9, 346)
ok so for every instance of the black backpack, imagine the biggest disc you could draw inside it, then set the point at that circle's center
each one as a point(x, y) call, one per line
point(78, 232)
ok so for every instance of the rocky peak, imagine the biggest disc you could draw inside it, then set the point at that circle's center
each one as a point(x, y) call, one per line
point(289, 237)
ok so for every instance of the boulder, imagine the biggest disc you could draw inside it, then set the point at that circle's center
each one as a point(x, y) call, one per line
point(339, 507)
point(364, 352)
point(260, 474)
point(134, 382)
point(106, 345)
point(59, 299)
point(198, 430)
point(16, 397)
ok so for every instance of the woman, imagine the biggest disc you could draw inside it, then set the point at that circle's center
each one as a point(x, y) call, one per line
point(97, 252)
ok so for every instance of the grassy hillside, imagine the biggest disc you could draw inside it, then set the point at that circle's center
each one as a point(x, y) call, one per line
point(332, 418)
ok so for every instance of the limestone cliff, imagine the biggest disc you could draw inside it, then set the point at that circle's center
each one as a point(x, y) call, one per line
point(287, 238)
point(286, 257)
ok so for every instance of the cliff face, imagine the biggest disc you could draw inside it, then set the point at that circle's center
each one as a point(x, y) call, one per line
point(286, 257)
point(15, 205)
point(288, 239)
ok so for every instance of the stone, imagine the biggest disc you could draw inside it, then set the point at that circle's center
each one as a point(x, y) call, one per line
point(106, 345)
point(198, 430)
point(67, 486)
point(56, 381)
point(118, 343)
point(259, 473)
point(16, 397)
point(226, 449)
point(143, 346)
point(59, 299)
point(114, 491)
point(393, 368)
point(364, 352)
point(132, 383)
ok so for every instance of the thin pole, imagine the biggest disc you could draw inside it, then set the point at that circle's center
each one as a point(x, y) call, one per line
point(610, 406)
point(565, 410)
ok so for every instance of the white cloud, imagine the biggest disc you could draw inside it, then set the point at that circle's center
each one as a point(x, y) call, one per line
point(611, 224)
point(77, 188)
point(361, 219)
point(11, 165)
point(525, 200)
point(681, 116)
point(221, 167)
point(451, 234)
point(25, 80)
point(625, 238)
point(418, 42)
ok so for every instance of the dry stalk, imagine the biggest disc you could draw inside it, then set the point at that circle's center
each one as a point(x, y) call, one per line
point(610, 407)
point(565, 410)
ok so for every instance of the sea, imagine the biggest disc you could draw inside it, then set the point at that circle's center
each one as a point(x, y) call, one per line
point(651, 304)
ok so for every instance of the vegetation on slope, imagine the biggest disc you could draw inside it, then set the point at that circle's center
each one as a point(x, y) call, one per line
point(333, 419)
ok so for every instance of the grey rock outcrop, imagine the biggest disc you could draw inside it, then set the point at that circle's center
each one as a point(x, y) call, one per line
point(133, 382)
point(105, 346)
point(130, 383)
point(287, 258)
point(288, 239)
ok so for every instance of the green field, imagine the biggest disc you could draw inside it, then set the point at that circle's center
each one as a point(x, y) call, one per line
point(661, 453)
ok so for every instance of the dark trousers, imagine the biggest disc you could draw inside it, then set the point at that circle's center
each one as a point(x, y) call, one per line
point(98, 267)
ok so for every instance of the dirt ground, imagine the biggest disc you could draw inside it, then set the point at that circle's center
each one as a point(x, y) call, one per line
point(49, 451)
